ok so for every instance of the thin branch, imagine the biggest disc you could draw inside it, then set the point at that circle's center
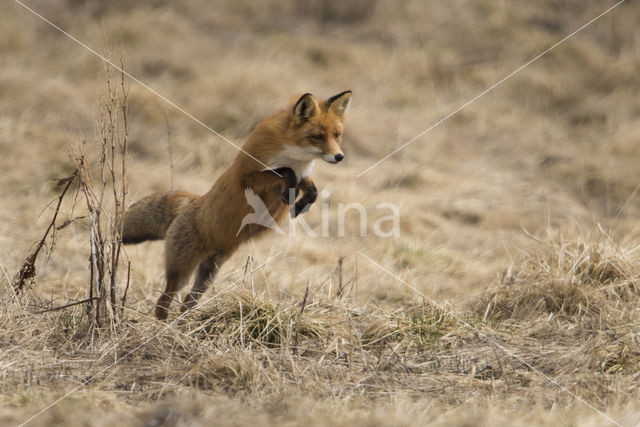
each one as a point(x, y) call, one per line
point(340, 289)
point(67, 305)
point(299, 317)
point(126, 289)
point(27, 271)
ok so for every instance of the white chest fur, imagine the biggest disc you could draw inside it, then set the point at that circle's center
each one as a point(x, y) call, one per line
point(299, 159)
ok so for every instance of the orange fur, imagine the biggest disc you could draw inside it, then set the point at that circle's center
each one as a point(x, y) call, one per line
point(201, 231)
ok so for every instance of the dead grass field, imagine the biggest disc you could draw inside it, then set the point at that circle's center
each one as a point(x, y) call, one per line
point(517, 267)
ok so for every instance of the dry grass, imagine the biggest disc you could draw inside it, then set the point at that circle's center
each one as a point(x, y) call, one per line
point(577, 278)
point(332, 364)
point(579, 294)
point(554, 150)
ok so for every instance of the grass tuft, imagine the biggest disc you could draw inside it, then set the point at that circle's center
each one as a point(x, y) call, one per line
point(570, 277)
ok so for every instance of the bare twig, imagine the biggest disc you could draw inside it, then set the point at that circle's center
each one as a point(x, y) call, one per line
point(299, 317)
point(357, 334)
point(27, 271)
point(126, 288)
point(249, 266)
point(67, 305)
point(340, 289)
point(241, 326)
point(69, 222)
point(106, 223)
point(304, 299)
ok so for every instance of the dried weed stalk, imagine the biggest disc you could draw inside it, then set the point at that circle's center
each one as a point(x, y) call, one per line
point(106, 213)
point(27, 273)
point(105, 203)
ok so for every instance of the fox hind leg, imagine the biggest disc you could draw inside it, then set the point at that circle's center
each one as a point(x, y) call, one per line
point(179, 265)
point(207, 271)
point(175, 281)
point(182, 249)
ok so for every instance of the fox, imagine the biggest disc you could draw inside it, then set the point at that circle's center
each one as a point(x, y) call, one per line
point(275, 163)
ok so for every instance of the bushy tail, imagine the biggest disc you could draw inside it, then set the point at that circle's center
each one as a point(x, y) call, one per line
point(150, 217)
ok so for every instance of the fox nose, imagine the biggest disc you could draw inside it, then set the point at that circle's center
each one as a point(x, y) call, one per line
point(338, 157)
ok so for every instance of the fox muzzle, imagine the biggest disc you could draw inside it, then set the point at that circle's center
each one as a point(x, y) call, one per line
point(333, 158)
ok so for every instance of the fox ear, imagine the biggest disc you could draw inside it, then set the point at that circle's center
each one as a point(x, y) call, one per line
point(339, 103)
point(305, 107)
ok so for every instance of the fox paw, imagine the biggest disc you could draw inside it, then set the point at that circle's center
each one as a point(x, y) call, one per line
point(301, 207)
point(305, 202)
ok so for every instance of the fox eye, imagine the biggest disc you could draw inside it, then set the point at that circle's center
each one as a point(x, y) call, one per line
point(317, 136)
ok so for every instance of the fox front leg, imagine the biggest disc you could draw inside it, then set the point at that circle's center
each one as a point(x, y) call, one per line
point(268, 179)
point(290, 191)
point(309, 195)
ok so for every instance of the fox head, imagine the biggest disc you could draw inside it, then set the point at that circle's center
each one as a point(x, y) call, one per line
point(318, 125)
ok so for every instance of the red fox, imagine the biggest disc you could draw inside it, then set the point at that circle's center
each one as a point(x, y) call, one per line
point(204, 231)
